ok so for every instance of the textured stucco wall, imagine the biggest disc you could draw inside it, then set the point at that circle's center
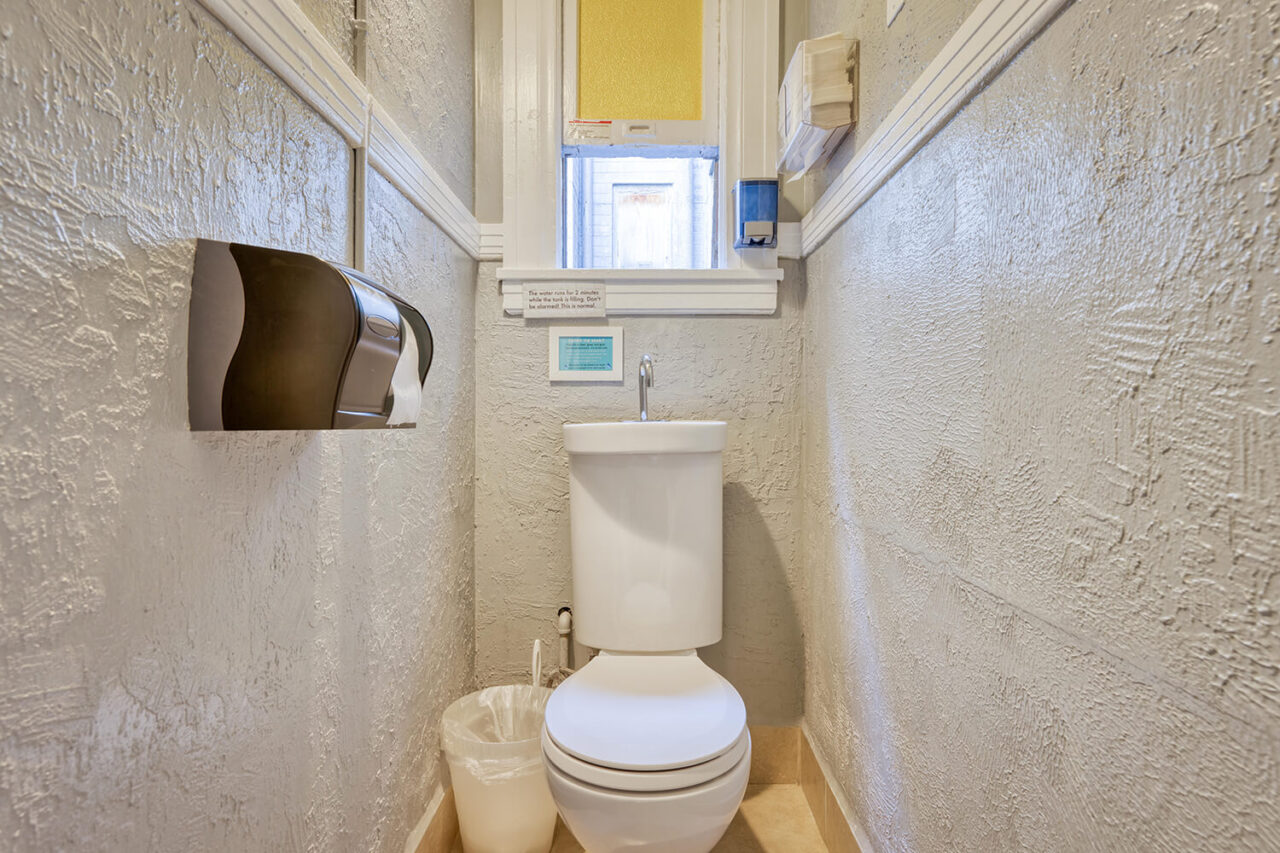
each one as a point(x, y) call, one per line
point(207, 641)
point(409, 42)
point(1042, 454)
point(742, 370)
point(334, 19)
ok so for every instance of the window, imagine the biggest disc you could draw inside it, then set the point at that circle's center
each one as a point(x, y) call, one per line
point(571, 217)
point(640, 60)
point(640, 134)
point(644, 226)
point(639, 212)
point(641, 72)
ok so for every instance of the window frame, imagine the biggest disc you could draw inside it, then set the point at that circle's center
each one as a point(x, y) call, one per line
point(744, 281)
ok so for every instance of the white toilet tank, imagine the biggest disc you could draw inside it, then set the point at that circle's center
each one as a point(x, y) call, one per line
point(645, 502)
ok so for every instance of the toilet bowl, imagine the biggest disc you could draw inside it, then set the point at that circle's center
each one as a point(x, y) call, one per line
point(646, 752)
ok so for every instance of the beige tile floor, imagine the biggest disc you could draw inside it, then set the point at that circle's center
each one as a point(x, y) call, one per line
point(772, 819)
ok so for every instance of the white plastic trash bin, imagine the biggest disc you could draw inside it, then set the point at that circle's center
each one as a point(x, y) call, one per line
point(492, 741)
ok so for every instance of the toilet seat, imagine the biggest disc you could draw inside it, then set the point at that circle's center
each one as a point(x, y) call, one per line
point(644, 781)
point(623, 714)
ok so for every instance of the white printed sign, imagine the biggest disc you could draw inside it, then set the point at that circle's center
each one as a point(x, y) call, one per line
point(563, 300)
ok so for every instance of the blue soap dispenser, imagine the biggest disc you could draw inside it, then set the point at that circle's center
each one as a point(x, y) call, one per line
point(755, 206)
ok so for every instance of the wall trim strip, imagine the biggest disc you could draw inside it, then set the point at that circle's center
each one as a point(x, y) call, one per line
point(280, 34)
point(986, 42)
point(492, 235)
point(392, 154)
point(284, 38)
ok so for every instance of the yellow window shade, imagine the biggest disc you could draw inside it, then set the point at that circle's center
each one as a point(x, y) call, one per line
point(640, 59)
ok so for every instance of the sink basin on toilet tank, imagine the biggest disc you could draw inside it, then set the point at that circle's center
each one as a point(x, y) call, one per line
point(646, 437)
point(645, 501)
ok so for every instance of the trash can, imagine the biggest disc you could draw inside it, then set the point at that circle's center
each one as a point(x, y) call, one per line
point(492, 741)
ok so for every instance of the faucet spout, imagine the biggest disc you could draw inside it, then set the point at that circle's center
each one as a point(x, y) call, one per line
point(646, 382)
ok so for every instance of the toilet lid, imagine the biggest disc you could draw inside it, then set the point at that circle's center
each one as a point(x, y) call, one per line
point(645, 712)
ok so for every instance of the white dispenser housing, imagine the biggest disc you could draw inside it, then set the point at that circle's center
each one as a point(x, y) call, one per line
point(645, 511)
point(817, 103)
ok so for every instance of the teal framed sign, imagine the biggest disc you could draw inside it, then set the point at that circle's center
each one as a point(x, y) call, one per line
point(585, 354)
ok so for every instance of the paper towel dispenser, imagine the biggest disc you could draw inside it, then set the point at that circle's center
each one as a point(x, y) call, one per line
point(282, 340)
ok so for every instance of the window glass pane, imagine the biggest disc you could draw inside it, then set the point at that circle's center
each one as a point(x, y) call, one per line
point(639, 212)
point(642, 225)
point(640, 59)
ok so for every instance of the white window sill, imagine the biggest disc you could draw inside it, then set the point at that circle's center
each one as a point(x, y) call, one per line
point(637, 292)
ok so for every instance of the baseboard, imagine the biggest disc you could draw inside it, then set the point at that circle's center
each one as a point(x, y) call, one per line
point(775, 755)
point(830, 812)
point(438, 829)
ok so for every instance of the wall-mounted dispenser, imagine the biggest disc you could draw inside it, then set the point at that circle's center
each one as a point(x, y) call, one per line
point(755, 209)
point(818, 102)
point(282, 340)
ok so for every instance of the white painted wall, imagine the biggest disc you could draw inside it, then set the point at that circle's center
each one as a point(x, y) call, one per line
point(488, 121)
point(207, 641)
point(1042, 383)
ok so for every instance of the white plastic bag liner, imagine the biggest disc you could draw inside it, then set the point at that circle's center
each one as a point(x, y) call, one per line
point(492, 741)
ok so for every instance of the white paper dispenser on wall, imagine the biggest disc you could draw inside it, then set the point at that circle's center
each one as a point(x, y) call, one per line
point(282, 340)
point(817, 102)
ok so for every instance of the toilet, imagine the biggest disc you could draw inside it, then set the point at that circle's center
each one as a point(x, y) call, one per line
point(645, 747)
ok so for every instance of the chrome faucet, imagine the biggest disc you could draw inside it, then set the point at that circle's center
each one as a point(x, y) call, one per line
point(646, 382)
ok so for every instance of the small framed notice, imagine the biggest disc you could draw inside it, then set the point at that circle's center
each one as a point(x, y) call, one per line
point(585, 354)
point(564, 299)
